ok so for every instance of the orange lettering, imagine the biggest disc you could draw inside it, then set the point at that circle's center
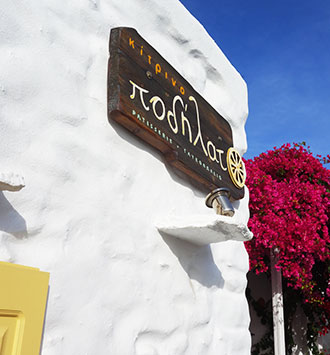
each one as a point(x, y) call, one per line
point(158, 69)
point(141, 50)
point(173, 82)
point(182, 90)
point(149, 59)
point(131, 43)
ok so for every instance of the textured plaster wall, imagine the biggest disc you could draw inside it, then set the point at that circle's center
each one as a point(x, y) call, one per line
point(93, 192)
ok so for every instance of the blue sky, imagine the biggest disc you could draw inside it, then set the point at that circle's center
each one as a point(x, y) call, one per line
point(282, 50)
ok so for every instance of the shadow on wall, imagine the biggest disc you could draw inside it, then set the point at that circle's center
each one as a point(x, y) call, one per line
point(197, 261)
point(176, 175)
point(11, 221)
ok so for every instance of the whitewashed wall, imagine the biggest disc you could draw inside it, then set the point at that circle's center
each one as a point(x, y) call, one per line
point(93, 192)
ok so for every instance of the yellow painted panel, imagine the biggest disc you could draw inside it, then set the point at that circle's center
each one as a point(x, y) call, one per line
point(23, 297)
point(3, 331)
point(13, 324)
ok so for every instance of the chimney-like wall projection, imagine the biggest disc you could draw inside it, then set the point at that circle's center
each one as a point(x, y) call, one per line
point(102, 211)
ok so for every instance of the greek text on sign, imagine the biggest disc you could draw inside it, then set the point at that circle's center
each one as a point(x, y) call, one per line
point(147, 96)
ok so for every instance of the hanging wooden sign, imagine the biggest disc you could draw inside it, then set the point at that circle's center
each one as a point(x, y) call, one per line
point(150, 98)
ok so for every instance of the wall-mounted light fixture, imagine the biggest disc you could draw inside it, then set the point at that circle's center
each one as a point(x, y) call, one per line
point(218, 199)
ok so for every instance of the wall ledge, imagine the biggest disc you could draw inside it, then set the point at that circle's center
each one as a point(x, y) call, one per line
point(11, 182)
point(203, 230)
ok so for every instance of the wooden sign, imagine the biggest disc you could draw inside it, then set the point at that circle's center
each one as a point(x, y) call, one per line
point(152, 100)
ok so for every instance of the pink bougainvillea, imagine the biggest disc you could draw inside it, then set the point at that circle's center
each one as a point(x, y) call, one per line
point(290, 209)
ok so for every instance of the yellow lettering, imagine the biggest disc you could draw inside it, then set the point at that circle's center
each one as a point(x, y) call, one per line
point(211, 153)
point(174, 124)
point(158, 68)
point(141, 50)
point(131, 43)
point(166, 75)
point(149, 59)
point(173, 82)
point(220, 152)
point(142, 92)
point(182, 90)
point(185, 123)
point(199, 136)
point(154, 100)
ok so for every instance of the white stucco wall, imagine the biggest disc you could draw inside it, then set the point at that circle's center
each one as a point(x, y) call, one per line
point(93, 192)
